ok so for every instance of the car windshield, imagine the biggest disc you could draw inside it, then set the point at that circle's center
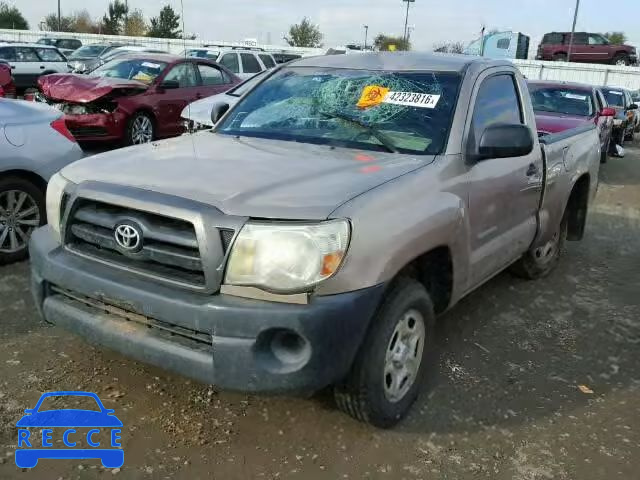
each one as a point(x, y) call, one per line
point(614, 98)
point(88, 51)
point(145, 71)
point(565, 100)
point(247, 85)
point(408, 112)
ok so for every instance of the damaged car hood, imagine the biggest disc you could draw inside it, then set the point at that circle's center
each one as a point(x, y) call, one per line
point(84, 88)
point(248, 176)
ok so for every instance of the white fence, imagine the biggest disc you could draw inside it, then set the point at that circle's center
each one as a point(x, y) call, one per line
point(169, 44)
point(628, 77)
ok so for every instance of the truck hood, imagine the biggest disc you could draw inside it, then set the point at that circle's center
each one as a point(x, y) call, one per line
point(248, 176)
point(550, 122)
point(83, 88)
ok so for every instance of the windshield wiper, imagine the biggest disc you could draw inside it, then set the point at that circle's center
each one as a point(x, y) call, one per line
point(374, 132)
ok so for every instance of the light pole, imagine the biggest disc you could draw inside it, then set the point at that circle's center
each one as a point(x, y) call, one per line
point(59, 20)
point(366, 34)
point(406, 18)
point(573, 30)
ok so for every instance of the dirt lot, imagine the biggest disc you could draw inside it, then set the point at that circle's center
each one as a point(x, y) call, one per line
point(504, 403)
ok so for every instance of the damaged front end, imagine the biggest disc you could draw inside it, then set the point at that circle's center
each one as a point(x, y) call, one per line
point(102, 105)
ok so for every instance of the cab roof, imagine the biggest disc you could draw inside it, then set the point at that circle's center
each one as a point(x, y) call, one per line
point(400, 61)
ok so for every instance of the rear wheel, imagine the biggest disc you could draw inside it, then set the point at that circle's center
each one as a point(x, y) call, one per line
point(389, 369)
point(560, 57)
point(141, 129)
point(540, 262)
point(22, 210)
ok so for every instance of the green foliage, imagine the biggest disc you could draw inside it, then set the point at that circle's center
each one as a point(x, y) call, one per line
point(616, 38)
point(135, 24)
point(113, 20)
point(11, 17)
point(304, 34)
point(386, 42)
point(67, 23)
point(166, 25)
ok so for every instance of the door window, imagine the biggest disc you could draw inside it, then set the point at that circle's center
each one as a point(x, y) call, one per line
point(8, 54)
point(230, 60)
point(24, 54)
point(49, 55)
point(596, 40)
point(250, 63)
point(267, 60)
point(184, 74)
point(579, 38)
point(497, 102)
point(211, 75)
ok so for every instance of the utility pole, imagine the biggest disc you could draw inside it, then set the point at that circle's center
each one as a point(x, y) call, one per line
point(59, 19)
point(366, 34)
point(573, 30)
point(406, 19)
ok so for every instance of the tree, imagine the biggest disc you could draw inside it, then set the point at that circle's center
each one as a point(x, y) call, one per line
point(449, 47)
point(165, 25)
point(113, 20)
point(304, 34)
point(135, 25)
point(67, 23)
point(83, 23)
point(11, 17)
point(616, 38)
point(389, 43)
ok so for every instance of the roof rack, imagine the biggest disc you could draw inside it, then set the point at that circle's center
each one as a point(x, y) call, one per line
point(257, 49)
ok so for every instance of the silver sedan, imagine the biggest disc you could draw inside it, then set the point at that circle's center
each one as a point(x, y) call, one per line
point(34, 144)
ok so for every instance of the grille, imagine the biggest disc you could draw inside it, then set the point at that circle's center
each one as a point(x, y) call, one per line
point(169, 247)
point(80, 132)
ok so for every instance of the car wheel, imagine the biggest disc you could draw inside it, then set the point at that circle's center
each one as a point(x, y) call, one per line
point(141, 129)
point(560, 57)
point(621, 60)
point(630, 136)
point(540, 262)
point(22, 210)
point(389, 369)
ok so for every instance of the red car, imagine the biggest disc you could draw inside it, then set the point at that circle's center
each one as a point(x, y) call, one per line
point(7, 87)
point(586, 48)
point(135, 98)
point(562, 106)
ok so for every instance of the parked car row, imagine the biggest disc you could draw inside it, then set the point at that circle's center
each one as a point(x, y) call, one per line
point(31, 61)
point(243, 62)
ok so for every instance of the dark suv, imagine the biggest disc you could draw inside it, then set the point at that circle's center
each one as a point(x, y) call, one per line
point(587, 48)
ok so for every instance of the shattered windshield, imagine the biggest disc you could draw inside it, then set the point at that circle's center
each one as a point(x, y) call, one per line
point(145, 71)
point(407, 112)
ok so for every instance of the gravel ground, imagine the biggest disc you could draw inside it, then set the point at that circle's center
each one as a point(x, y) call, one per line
point(536, 380)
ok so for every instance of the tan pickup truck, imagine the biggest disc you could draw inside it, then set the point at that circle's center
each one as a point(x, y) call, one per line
point(311, 238)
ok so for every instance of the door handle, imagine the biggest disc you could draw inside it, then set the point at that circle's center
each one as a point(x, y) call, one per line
point(41, 67)
point(532, 170)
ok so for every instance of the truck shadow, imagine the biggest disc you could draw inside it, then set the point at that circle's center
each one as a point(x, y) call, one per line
point(518, 352)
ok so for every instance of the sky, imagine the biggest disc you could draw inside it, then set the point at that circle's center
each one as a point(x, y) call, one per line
point(342, 21)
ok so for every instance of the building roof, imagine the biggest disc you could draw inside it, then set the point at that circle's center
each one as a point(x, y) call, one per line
point(399, 61)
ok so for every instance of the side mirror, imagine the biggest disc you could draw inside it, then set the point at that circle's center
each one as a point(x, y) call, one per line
point(608, 112)
point(218, 110)
point(503, 141)
point(170, 85)
point(633, 106)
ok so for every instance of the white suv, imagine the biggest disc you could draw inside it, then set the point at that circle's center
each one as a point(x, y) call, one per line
point(29, 61)
point(244, 62)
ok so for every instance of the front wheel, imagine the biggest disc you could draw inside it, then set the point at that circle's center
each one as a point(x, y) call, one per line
point(22, 210)
point(621, 60)
point(560, 57)
point(141, 129)
point(386, 376)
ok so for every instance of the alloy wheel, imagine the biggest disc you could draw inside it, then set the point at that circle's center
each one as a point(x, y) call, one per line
point(19, 216)
point(141, 130)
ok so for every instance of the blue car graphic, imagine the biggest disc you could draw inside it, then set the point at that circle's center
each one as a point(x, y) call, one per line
point(71, 418)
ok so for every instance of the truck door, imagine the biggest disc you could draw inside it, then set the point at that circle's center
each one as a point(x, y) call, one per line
point(504, 193)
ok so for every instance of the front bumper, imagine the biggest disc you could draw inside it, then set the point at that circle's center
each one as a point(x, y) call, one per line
point(231, 342)
point(97, 127)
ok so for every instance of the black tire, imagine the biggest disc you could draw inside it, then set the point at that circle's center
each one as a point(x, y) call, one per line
point(605, 152)
point(621, 59)
point(630, 137)
point(363, 394)
point(560, 57)
point(130, 135)
point(537, 263)
point(20, 185)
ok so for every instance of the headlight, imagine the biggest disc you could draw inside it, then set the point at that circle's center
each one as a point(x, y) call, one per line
point(287, 257)
point(55, 190)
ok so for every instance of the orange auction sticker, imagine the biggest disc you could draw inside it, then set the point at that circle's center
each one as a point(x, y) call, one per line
point(372, 95)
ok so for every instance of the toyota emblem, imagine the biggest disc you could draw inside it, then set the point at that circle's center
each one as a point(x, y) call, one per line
point(128, 237)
